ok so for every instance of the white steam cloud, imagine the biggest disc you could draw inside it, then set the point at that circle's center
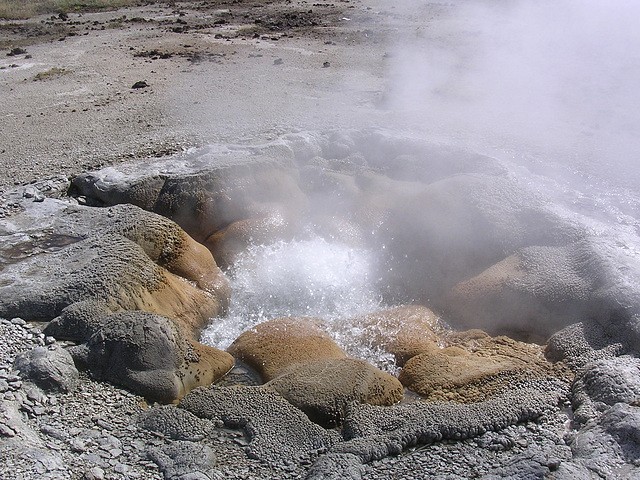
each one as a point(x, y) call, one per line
point(561, 75)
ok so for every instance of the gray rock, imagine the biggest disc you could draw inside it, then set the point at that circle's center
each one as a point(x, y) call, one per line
point(609, 381)
point(175, 423)
point(610, 447)
point(120, 256)
point(50, 368)
point(79, 320)
point(535, 462)
point(572, 471)
point(546, 286)
point(181, 458)
point(224, 186)
point(336, 466)
point(584, 342)
point(142, 351)
point(374, 432)
point(437, 234)
point(277, 431)
point(323, 389)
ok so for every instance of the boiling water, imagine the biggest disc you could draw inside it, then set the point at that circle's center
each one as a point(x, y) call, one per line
point(312, 277)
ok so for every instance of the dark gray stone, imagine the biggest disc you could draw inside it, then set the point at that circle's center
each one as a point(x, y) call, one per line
point(138, 350)
point(611, 380)
point(79, 320)
point(375, 432)
point(610, 447)
point(584, 342)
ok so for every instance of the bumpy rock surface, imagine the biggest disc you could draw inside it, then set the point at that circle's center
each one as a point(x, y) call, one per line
point(114, 260)
point(486, 367)
point(472, 221)
point(324, 389)
point(610, 447)
point(272, 346)
point(186, 460)
point(452, 224)
point(175, 423)
point(585, 341)
point(374, 433)
point(276, 431)
point(551, 286)
point(79, 321)
point(403, 332)
point(603, 383)
point(149, 354)
point(117, 266)
point(309, 369)
point(228, 186)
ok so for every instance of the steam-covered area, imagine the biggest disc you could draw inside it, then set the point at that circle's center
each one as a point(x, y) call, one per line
point(549, 82)
point(326, 224)
point(356, 265)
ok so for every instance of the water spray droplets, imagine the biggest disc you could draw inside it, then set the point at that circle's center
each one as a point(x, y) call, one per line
point(316, 278)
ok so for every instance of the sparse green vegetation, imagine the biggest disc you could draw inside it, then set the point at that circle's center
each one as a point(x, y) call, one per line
point(52, 72)
point(22, 9)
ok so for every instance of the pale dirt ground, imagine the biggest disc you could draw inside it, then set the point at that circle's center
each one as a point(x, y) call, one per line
point(301, 66)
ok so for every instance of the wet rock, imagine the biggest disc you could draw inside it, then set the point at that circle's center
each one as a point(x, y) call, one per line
point(207, 192)
point(116, 270)
point(547, 286)
point(110, 269)
point(402, 331)
point(272, 346)
point(437, 234)
point(323, 389)
point(50, 368)
point(228, 243)
point(150, 354)
point(307, 367)
point(454, 373)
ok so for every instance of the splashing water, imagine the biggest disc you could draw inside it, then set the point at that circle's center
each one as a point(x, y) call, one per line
point(313, 278)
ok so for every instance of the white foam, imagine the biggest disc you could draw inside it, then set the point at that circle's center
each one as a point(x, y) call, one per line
point(312, 278)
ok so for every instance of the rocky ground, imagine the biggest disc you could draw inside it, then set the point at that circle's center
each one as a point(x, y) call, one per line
point(96, 88)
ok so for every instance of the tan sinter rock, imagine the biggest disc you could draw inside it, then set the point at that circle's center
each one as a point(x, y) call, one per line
point(307, 367)
point(272, 346)
point(475, 371)
point(404, 331)
point(227, 243)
